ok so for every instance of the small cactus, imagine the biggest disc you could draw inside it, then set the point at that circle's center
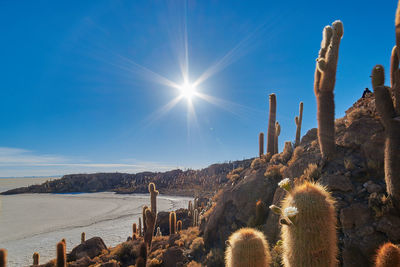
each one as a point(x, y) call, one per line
point(172, 223)
point(261, 144)
point(277, 133)
point(36, 258)
point(247, 247)
point(3, 258)
point(298, 120)
point(261, 213)
point(83, 237)
point(271, 125)
point(134, 230)
point(309, 227)
point(158, 233)
point(153, 197)
point(144, 219)
point(140, 226)
point(179, 226)
point(324, 84)
point(190, 206)
point(61, 257)
point(388, 256)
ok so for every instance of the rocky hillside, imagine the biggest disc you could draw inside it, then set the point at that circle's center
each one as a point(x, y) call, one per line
point(202, 182)
point(355, 177)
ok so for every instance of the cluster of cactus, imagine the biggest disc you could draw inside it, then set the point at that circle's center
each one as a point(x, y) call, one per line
point(324, 84)
point(298, 120)
point(388, 255)
point(271, 125)
point(308, 219)
point(172, 223)
point(247, 247)
point(387, 101)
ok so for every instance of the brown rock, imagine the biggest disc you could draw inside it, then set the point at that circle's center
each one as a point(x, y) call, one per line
point(90, 248)
point(355, 215)
point(390, 225)
point(337, 182)
point(173, 257)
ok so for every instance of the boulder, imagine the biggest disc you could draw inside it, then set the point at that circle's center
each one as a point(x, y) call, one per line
point(90, 248)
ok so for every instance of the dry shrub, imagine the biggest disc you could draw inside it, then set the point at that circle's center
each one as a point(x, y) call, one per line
point(187, 236)
point(257, 163)
point(314, 143)
point(193, 264)
point(154, 263)
point(273, 172)
point(197, 247)
point(298, 151)
point(356, 114)
point(234, 174)
point(276, 254)
point(312, 173)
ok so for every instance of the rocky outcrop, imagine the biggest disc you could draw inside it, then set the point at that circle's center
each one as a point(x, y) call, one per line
point(90, 248)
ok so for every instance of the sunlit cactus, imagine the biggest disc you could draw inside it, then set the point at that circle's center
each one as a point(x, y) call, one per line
point(271, 125)
point(309, 227)
point(83, 237)
point(390, 120)
point(36, 258)
point(195, 217)
point(179, 226)
point(140, 227)
point(3, 257)
point(153, 197)
point(298, 120)
point(261, 144)
point(388, 255)
point(324, 84)
point(277, 133)
point(61, 255)
point(247, 247)
point(150, 222)
point(144, 219)
point(134, 231)
point(172, 223)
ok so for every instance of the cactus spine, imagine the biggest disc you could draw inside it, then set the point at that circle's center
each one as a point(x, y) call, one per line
point(83, 237)
point(153, 197)
point(309, 235)
point(36, 258)
point(271, 124)
point(172, 223)
point(388, 255)
point(247, 247)
point(324, 84)
point(151, 223)
point(298, 121)
point(3, 258)
point(61, 257)
point(277, 133)
point(261, 144)
point(179, 226)
point(391, 123)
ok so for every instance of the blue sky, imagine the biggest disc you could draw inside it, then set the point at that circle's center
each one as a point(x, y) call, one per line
point(81, 90)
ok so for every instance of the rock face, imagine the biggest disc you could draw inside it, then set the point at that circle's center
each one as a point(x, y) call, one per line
point(202, 182)
point(163, 220)
point(90, 248)
point(355, 177)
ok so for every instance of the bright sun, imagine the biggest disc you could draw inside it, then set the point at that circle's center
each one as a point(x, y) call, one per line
point(187, 90)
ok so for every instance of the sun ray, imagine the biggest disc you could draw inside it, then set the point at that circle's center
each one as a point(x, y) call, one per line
point(162, 111)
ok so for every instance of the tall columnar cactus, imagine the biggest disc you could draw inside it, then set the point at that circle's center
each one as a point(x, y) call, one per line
point(36, 258)
point(388, 255)
point(83, 237)
point(298, 120)
point(261, 144)
point(142, 259)
point(3, 258)
point(61, 255)
point(247, 247)
point(190, 206)
point(179, 226)
point(153, 197)
point(150, 225)
point(277, 133)
point(140, 227)
point(172, 223)
point(134, 231)
point(324, 84)
point(195, 217)
point(309, 227)
point(271, 124)
point(391, 122)
point(144, 219)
